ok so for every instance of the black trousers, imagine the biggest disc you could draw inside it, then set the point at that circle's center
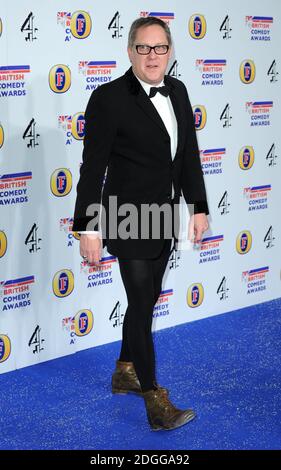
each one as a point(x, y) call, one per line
point(142, 279)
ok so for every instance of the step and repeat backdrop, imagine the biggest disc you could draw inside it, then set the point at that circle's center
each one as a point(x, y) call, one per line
point(52, 56)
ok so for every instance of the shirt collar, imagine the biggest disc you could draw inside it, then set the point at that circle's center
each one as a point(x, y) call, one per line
point(146, 86)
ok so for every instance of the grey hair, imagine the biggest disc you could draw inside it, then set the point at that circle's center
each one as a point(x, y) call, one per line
point(148, 21)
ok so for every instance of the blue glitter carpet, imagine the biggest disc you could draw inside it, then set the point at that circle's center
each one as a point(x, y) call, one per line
point(227, 368)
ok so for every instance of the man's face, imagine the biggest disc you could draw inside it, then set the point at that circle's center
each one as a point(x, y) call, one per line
point(150, 68)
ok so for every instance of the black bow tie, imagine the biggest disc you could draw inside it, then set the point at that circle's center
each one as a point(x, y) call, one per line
point(164, 90)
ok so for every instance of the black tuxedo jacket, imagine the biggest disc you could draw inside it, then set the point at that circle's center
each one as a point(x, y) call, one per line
point(126, 139)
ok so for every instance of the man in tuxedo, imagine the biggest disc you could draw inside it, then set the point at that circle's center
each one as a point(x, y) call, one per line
point(140, 148)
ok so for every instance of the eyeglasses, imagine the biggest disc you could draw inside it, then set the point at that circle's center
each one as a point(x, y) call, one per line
point(143, 49)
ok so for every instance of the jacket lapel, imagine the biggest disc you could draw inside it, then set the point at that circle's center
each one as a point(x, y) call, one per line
point(143, 101)
point(146, 105)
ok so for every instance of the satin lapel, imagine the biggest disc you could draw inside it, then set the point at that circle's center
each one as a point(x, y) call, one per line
point(181, 118)
point(145, 103)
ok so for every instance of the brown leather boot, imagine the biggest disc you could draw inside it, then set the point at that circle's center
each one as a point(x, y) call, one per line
point(125, 380)
point(162, 414)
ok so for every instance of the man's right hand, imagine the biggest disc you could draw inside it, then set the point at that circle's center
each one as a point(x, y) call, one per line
point(91, 248)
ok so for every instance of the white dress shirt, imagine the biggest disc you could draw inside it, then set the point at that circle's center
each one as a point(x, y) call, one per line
point(165, 109)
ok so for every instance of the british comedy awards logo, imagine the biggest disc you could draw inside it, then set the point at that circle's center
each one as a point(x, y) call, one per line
point(96, 72)
point(101, 274)
point(15, 293)
point(13, 80)
point(14, 188)
point(162, 15)
point(162, 306)
point(211, 71)
point(259, 27)
point(259, 112)
point(210, 249)
point(255, 279)
point(257, 197)
point(212, 161)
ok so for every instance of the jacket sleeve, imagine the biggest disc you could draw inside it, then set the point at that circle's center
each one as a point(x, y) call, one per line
point(98, 141)
point(192, 180)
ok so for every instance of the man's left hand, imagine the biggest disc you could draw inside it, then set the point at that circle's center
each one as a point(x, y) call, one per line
point(198, 225)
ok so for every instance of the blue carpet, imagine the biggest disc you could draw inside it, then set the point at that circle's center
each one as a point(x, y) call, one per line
point(226, 367)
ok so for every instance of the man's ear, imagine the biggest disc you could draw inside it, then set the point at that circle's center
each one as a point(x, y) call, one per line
point(170, 51)
point(130, 52)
